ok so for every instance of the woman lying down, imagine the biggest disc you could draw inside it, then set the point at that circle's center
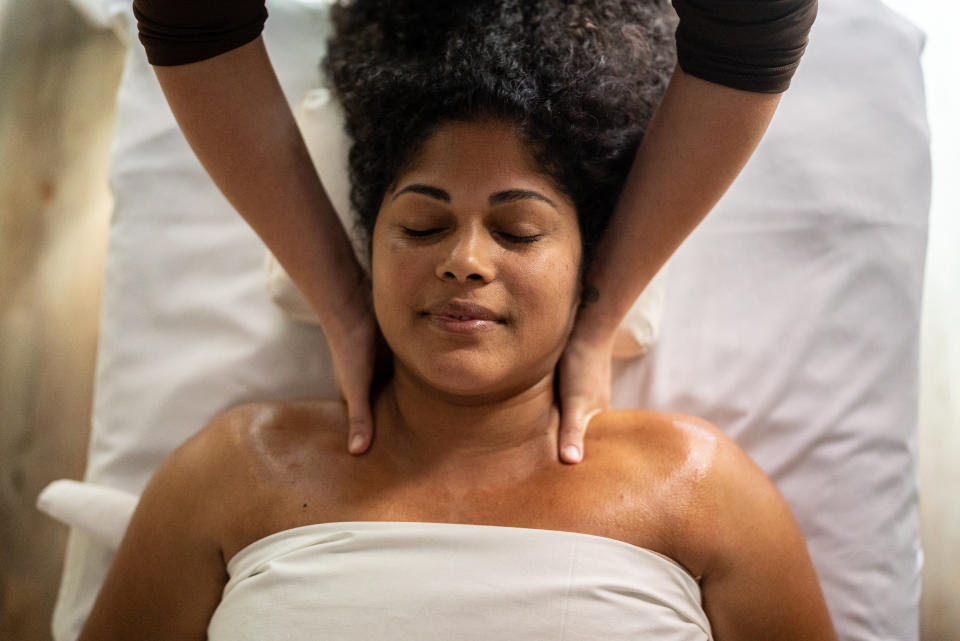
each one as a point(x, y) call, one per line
point(490, 145)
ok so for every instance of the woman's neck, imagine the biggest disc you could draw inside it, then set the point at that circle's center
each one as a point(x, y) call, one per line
point(477, 439)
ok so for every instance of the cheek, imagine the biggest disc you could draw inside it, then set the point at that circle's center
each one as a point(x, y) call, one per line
point(384, 282)
point(548, 293)
point(397, 283)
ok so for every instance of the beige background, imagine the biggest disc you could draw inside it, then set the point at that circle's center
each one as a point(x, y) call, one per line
point(57, 81)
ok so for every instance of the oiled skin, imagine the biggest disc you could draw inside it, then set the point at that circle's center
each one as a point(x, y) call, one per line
point(289, 473)
point(669, 483)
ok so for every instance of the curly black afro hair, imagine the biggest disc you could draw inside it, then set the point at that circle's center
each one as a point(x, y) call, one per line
point(579, 80)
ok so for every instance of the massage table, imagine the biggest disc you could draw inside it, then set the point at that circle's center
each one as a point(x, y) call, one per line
point(789, 318)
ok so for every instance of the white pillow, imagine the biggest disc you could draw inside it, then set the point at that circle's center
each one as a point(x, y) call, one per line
point(791, 318)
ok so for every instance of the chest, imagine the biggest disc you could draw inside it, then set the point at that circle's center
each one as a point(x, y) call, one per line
point(588, 498)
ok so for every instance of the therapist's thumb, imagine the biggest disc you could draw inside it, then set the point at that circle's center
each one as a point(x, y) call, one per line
point(575, 416)
point(361, 420)
point(354, 358)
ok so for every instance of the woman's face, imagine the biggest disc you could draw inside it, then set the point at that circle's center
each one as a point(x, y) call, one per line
point(475, 264)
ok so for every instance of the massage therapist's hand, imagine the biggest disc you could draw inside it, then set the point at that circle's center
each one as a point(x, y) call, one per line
point(235, 117)
point(584, 384)
point(352, 341)
point(700, 137)
point(354, 354)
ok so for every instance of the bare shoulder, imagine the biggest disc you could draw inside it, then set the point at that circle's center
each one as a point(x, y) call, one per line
point(734, 528)
point(258, 434)
point(262, 420)
point(689, 447)
point(680, 446)
point(242, 456)
point(699, 480)
point(694, 455)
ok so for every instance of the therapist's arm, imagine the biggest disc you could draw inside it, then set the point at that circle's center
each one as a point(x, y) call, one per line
point(235, 117)
point(699, 139)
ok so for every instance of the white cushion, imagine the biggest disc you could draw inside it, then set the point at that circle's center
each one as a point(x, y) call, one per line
point(102, 512)
point(790, 320)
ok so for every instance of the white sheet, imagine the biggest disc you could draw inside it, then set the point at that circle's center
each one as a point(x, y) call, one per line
point(790, 319)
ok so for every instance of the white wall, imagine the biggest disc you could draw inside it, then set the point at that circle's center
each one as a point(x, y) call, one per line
point(940, 333)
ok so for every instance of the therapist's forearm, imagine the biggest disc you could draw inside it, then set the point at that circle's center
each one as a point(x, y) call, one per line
point(235, 117)
point(695, 146)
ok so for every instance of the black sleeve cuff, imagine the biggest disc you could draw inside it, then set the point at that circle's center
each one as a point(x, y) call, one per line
point(177, 32)
point(753, 45)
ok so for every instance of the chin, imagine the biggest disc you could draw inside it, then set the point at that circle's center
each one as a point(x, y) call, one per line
point(460, 374)
point(471, 376)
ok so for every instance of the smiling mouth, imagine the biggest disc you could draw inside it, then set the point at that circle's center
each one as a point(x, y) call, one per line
point(466, 318)
point(462, 317)
point(461, 325)
point(463, 311)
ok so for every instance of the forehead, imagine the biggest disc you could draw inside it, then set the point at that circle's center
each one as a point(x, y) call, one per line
point(477, 158)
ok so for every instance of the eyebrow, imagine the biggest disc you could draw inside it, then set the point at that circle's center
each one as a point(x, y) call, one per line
point(498, 198)
point(518, 194)
point(426, 190)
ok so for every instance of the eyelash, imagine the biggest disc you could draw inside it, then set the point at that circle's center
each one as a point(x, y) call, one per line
point(424, 233)
point(420, 233)
point(524, 240)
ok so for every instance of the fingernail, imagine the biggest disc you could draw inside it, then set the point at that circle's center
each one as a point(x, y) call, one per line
point(571, 453)
point(356, 444)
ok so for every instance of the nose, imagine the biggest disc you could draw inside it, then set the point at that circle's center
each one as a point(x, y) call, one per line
point(467, 257)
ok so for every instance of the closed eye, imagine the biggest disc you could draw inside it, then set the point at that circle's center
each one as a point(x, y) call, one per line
point(521, 239)
point(421, 233)
point(510, 238)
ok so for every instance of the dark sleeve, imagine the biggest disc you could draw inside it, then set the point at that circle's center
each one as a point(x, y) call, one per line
point(754, 45)
point(175, 32)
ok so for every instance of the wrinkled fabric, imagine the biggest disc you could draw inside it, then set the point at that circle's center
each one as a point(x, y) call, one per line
point(439, 581)
point(753, 45)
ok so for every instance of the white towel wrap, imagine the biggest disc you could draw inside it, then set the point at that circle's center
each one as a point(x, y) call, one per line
point(441, 581)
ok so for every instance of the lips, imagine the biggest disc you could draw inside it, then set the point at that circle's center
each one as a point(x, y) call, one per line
point(463, 311)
